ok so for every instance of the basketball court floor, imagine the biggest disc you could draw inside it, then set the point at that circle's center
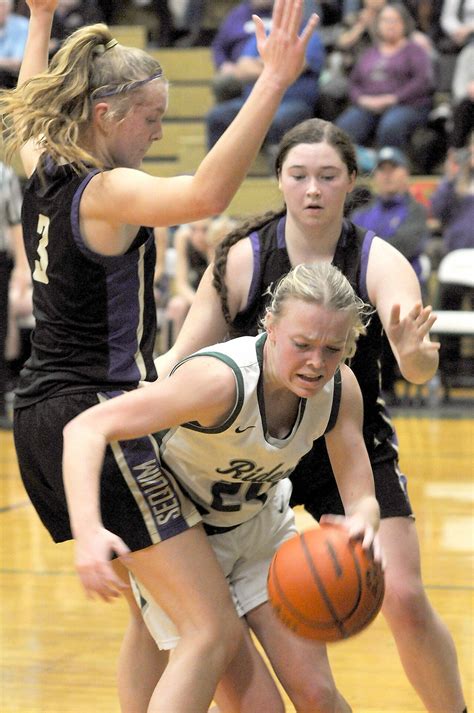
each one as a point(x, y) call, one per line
point(58, 650)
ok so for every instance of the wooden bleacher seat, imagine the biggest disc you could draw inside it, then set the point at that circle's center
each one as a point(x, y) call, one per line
point(130, 35)
point(193, 64)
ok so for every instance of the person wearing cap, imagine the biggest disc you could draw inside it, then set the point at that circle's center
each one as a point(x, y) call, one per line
point(401, 220)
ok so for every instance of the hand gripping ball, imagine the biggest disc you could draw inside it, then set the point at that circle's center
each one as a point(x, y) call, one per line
point(324, 586)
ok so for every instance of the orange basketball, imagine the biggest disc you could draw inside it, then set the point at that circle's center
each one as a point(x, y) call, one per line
point(324, 586)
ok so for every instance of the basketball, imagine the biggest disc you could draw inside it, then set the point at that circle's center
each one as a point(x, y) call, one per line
point(324, 586)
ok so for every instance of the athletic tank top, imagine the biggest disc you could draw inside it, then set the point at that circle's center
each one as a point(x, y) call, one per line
point(197, 265)
point(271, 262)
point(229, 470)
point(95, 318)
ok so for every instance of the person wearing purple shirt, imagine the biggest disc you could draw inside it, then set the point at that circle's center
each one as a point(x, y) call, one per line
point(391, 85)
point(235, 30)
point(297, 104)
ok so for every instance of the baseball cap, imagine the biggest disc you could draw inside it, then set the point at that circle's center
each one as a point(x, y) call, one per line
point(392, 155)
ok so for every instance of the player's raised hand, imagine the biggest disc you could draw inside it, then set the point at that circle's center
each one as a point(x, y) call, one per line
point(283, 49)
point(408, 334)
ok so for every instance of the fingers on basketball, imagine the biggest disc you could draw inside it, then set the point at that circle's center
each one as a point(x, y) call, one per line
point(325, 586)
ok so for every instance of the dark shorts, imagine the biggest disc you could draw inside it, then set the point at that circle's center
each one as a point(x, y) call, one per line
point(140, 500)
point(314, 485)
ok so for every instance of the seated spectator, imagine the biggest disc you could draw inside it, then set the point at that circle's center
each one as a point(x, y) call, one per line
point(457, 21)
point(452, 203)
point(463, 97)
point(13, 33)
point(15, 278)
point(356, 34)
point(391, 86)
point(393, 214)
point(195, 244)
point(297, 104)
point(69, 16)
point(229, 42)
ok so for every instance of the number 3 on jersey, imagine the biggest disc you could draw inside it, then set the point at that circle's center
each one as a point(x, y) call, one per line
point(41, 265)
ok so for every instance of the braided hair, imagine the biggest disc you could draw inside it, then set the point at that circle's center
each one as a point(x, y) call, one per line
point(311, 131)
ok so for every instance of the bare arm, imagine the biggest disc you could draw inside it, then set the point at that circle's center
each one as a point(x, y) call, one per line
point(395, 292)
point(35, 60)
point(351, 467)
point(182, 281)
point(126, 196)
point(205, 323)
point(163, 404)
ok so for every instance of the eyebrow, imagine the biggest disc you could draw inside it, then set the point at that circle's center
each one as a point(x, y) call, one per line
point(323, 168)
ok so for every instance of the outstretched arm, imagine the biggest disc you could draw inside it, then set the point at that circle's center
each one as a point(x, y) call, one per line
point(35, 60)
point(351, 467)
point(394, 290)
point(125, 196)
point(205, 323)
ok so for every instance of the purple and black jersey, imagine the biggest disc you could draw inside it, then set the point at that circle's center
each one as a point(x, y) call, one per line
point(95, 318)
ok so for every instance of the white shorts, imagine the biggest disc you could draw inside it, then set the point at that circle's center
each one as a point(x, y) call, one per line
point(244, 553)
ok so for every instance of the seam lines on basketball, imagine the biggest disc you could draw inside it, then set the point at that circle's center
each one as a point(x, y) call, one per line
point(359, 581)
point(298, 616)
point(370, 615)
point(317, 579)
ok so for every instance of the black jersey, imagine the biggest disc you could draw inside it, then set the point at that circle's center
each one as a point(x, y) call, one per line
point(197, 265)
point(271, 262)
point(95, 318)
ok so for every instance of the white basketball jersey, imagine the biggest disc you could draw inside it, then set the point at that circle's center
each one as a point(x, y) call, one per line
point(229, 470)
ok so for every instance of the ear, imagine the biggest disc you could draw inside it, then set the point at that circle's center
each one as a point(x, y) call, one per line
point(270, 326)
point(352, 181)
point(99, 115)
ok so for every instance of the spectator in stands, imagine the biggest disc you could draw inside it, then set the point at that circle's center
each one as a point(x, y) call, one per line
point(393, 214)
point(195, 244)
point(12, 258)
point(356, 34)
point(457, 21)
point(391, 85)
point(463, 97)
point(452, 203)
point(192, 258)
point(229, 42)
point(13, 33)
point(69, 16)
point(297, 104)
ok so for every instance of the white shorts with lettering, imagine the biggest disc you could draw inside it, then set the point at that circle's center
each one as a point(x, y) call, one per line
point(244, 554)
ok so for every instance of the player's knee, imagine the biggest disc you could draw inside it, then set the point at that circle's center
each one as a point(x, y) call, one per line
point(406, 605)
point(219, 640)
point(315, 694)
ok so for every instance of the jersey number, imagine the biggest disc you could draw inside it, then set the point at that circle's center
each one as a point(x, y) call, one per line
point(41, 265)
point(221, 489)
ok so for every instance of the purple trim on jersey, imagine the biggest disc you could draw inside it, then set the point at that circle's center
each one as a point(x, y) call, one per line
point(364, 259)
point(255, 243)
point(155, 486)
point(281, 242)
point(123, 308)
point(75, 224)
point(124, 288)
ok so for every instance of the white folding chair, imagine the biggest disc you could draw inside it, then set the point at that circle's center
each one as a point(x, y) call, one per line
point(456, 268)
